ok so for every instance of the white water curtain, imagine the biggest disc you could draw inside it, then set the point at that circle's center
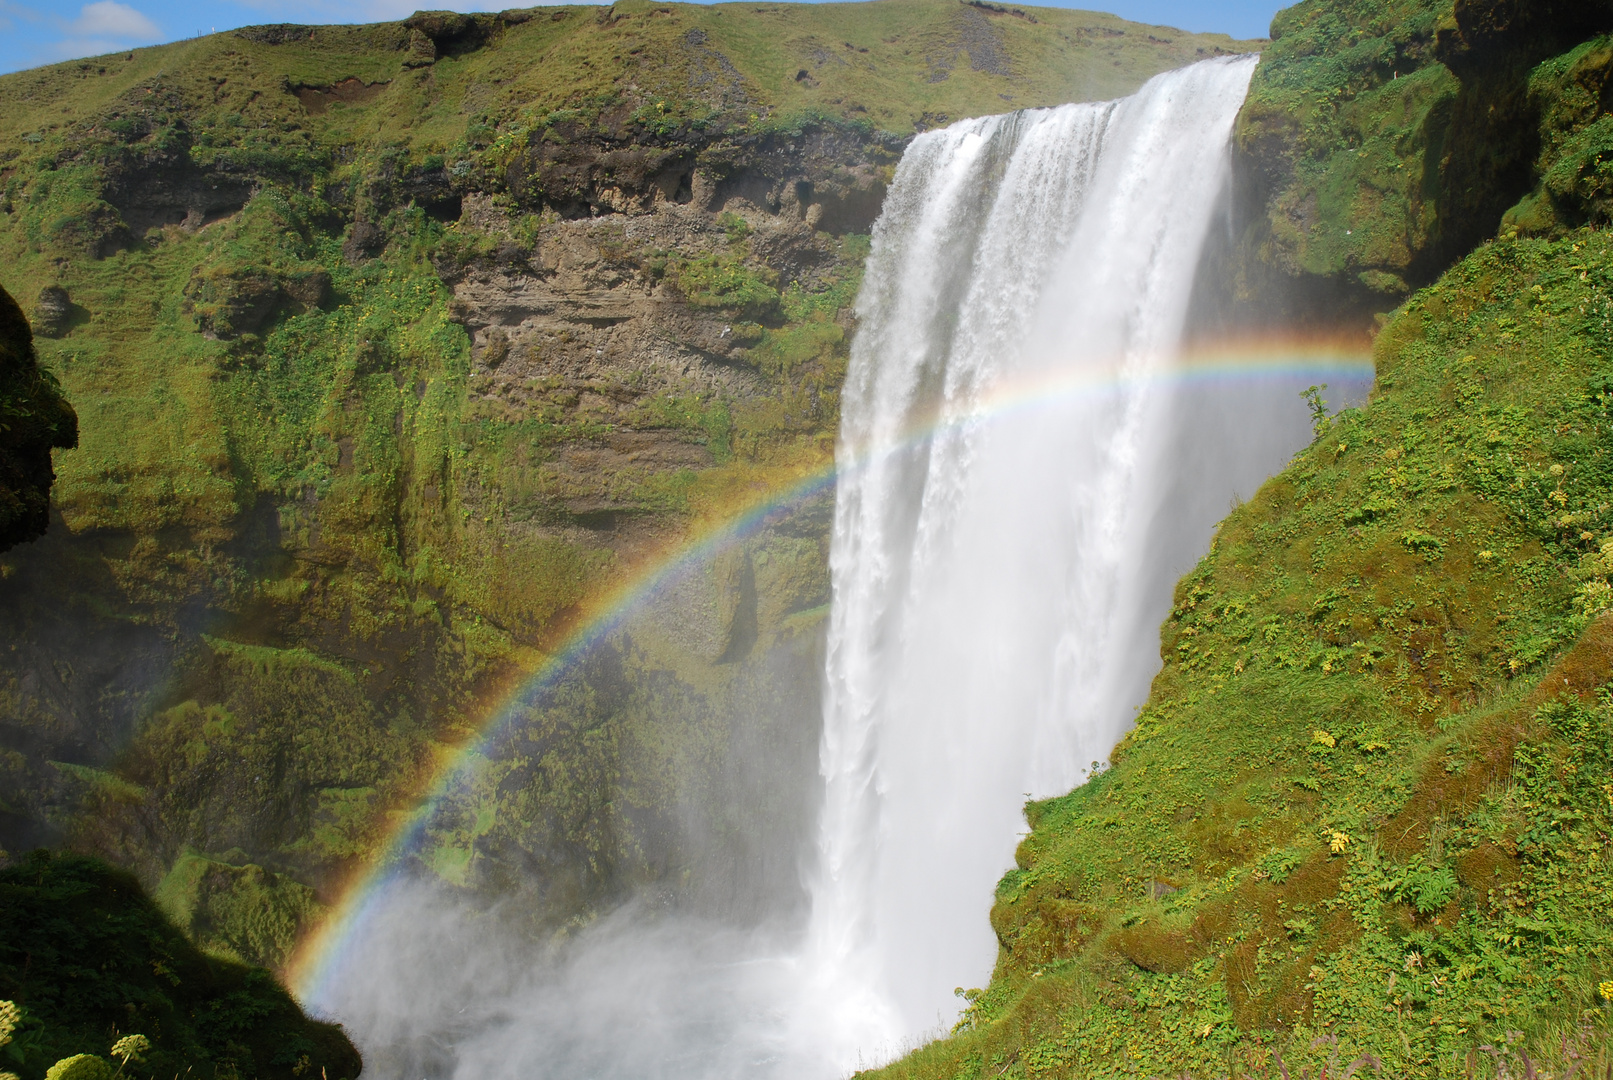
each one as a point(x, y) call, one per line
point(1004, 443)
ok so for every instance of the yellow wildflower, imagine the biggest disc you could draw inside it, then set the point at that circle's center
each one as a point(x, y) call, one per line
point(130, 1048)
point(1337, 841)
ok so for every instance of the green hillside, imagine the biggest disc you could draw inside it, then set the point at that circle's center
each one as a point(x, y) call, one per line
point(440, 82)
point(396, 348)
point(1364, 816)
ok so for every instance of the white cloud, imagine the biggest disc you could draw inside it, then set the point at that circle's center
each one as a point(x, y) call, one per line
point(108, 20)
point(101, 27)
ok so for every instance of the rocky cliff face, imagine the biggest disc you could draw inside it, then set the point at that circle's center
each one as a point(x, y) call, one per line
point(508, 412)
point(1378, 146)
point(727, 277)
point(399, 350)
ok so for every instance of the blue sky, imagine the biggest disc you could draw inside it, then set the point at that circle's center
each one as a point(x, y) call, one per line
point(34, 32)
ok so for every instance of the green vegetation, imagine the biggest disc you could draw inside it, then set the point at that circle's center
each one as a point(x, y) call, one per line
point(281, 100)
point(128, 1049)
point(1394, 669)
point(85, 957)
point(1396, 676)
point(1384, 139)
point(333, 500)
point(1347, 117)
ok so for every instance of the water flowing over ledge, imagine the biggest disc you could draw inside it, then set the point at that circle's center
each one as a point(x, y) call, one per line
point(1022, 475)
point(997, 586)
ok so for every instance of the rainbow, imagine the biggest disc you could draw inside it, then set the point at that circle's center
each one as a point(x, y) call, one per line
point(320, 954)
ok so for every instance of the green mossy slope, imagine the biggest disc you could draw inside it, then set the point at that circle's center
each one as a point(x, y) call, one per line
point(1368, 797)
point(89, 959)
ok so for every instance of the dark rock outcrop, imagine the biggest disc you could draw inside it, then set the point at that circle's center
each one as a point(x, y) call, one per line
point(34, 420)
point(1493, 150)
point(52, 311)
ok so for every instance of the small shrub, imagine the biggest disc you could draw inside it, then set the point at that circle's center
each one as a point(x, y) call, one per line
point(80, 1067)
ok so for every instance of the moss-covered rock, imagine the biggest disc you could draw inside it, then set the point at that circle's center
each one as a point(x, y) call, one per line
point(1381, 141)
point(35, 419)
point(89, 957)
point(1338, 157)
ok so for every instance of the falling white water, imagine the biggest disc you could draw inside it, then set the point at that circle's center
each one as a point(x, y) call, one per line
point(1018, 496)
point(997, 581)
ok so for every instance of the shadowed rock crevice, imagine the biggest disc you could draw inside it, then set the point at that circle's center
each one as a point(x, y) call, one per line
point(34, 420)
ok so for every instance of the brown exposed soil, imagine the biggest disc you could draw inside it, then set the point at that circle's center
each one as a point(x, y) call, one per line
point(351, 91)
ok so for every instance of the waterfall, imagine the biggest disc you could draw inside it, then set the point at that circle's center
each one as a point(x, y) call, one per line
point(1022, 482)
point(998, 570)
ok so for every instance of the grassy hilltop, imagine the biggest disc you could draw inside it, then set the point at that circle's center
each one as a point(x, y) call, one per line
point(441, 80)
point(395, 346)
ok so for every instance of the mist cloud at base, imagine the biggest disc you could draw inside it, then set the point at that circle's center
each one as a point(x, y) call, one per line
point(434, 989)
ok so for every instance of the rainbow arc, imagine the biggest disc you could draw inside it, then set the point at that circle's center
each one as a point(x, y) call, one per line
point(1315, 360)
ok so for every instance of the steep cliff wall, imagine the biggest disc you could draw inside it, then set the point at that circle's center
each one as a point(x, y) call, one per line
point(399, 346)
point(1382, 142)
